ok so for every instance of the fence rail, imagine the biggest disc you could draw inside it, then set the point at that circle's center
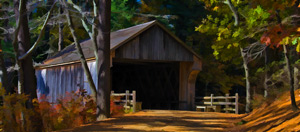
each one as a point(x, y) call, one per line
point(127, 102)
point(212, 103)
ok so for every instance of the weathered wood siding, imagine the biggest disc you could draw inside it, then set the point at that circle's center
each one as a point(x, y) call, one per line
point(154, 44)
point(54, 82)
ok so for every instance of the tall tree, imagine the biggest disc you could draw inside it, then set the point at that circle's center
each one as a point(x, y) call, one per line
point(79, 50)
point(235, 35)
point(27, 78)
point(28, 83)
point(282, 33)
point(103, 69)
point(60, 43)
point(3, 33)
point(24, 62)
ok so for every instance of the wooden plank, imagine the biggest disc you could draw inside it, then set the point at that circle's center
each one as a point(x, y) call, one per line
point(124, 101)
point(126, 98)
point(121, 94)
point(226, 99)
point(216, 97)
point(211, 99)
point(237, 103)
point(229, 109)
point(154, 44)
point(136, 49)
point(215, 103)
point(134, 101)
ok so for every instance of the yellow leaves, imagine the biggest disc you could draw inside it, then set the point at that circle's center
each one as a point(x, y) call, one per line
point(215, 8)
point(223, 31)
point(235, 44)
point(298, 29)
point(285, 41)
point(35, 100)
point(198, 28)
point(293, 40)
point(60, 119)
point(229, 46)
point(216, 53)
point(298, 48)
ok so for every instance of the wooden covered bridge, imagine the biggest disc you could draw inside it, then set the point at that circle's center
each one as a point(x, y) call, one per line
point(147, 58)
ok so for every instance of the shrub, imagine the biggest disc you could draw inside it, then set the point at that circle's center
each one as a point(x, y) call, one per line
point(13, 113)
point(115, 109)
point(75, 109)
point(70, 111)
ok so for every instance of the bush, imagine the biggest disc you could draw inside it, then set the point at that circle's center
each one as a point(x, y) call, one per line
point(116, 110)
point(73, 110)
point(13, 113)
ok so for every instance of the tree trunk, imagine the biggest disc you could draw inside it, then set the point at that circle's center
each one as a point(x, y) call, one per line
point(80, 53)
point(248, 94)
point(291, 78)
point(4, 71)
point(296, 82)
point(47, 29)
point(103, 69)
point(266, 73)
point(27, 63)
point(26, 71)
point(60, 31)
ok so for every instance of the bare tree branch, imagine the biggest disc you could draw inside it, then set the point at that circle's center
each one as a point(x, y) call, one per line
point(254, 50)
point(40, 35)
point(4, 30)
point(92, 33)
point(79, 51)
point(235, 13)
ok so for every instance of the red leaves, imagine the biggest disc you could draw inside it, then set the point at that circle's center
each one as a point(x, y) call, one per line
point(274, 4)
point(275, 35)
point(115, 110)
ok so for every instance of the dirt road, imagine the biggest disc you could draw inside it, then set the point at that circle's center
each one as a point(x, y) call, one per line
point(164, 120)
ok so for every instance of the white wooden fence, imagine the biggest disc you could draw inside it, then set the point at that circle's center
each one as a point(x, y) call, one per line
point(209, 102)
point(126, 102)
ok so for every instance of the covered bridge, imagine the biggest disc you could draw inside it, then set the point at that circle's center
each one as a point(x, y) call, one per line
point(147, 58)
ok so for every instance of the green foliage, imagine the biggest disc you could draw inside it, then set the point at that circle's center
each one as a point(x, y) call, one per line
point(121, 15)
point(216, 73)
point(229, 38)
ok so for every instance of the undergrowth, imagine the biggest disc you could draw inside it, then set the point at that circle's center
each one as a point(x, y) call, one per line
point(75, 109)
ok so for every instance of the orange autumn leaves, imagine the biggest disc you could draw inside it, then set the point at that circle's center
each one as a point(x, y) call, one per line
point(279, 34)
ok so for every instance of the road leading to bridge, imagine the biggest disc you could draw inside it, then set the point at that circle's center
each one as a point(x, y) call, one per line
point(165, 120)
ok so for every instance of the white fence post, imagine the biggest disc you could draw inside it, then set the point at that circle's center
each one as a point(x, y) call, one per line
point(134, 100)
point(227, 100)
point(126, 99)
point(236, 103)
point(211, 99)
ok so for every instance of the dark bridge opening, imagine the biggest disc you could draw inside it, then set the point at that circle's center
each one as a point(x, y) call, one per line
point(156, 84)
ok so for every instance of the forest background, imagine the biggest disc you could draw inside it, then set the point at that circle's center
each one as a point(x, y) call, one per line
point(248, 47)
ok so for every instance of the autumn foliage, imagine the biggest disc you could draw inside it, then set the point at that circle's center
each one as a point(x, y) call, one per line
point(72, 110)
point(115, 110)
point(75, 109)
